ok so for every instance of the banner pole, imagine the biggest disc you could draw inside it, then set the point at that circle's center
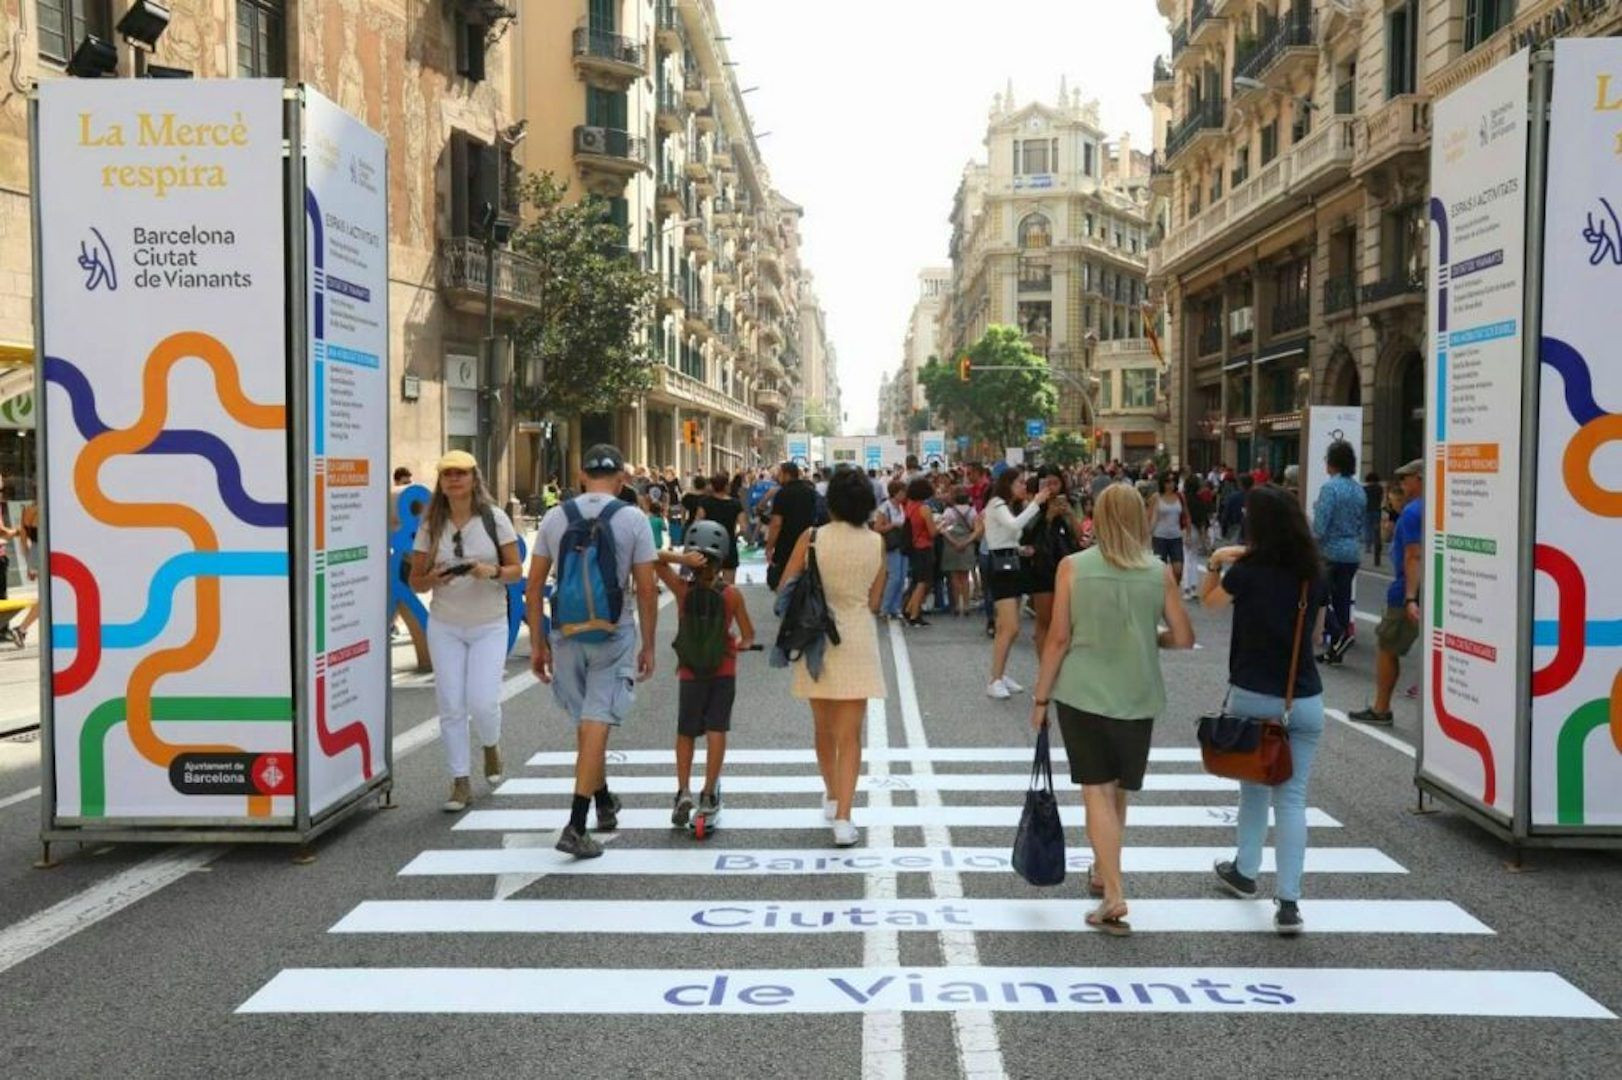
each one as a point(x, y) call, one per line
point(298, 427)
point(1532, 337)
point(41, 553)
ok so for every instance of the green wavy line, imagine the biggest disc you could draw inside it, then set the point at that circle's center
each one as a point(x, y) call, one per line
point(1569, 795)
point(109, 714)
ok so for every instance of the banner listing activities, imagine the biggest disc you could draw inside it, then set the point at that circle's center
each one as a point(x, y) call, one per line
point(346, 232)
point(162, 237)
point(1471, 622)
point(1577, 629)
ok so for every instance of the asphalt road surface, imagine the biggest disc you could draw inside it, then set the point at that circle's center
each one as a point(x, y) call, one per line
point(421, 944)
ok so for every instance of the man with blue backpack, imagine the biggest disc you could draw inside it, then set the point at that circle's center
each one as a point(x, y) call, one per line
point(602, 549)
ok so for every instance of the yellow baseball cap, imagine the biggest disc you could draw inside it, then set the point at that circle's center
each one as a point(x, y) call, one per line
point(457, 459)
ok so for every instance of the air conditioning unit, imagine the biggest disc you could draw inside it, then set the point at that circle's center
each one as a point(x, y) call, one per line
point(591, 140)
point(1241, 320)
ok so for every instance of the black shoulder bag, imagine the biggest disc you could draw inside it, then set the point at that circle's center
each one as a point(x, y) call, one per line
point(807, 617)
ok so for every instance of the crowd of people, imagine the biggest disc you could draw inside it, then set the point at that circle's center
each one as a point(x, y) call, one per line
point(1105, 560)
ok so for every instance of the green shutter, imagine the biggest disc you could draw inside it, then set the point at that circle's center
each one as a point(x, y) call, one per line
point(604, 15)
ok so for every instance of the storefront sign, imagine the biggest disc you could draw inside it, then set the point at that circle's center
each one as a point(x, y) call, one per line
point(162, 236)
point(1577, 633)
point(1472, 623)
point(346, 188)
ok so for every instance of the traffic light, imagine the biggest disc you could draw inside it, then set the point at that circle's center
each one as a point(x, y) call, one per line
point(689, 432)
point(964, 367)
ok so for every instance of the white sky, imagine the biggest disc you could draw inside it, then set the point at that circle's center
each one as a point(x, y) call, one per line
point(874, 106)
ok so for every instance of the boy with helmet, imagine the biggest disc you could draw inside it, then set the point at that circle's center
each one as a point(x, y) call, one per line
point(707, 653)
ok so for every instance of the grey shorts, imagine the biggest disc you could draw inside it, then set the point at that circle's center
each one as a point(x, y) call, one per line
point(596, 681)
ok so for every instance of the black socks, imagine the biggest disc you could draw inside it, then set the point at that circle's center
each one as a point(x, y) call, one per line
point(602, 796)
point(577, 812)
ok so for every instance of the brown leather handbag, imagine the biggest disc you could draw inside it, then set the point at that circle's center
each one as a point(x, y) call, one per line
point(1251, 748)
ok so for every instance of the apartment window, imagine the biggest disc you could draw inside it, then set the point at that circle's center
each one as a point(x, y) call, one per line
point(1241, 166)
point(606, 108)
point(471, 31)
point(1035, 157)
point(1269, 142)
point(1484, 18)
point(1138, 388)
point(1403, 243)
point(474, 182)
point(603, 15)
point(64, 23)
point(1216, 183)
point(1087, 152)
point(1402, 49)
point(1087, 230)
point(1301, 126)
point(1034, 232)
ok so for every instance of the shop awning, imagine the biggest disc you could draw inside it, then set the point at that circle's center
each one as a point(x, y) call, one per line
point(16, 354)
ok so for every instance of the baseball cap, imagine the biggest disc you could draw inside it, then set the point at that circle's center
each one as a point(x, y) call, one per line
point(457, 459)
point(602, 460)
point(1415, 467)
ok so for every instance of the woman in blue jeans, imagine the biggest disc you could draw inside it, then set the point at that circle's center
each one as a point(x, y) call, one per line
point(891, 516)
point(1275, 583)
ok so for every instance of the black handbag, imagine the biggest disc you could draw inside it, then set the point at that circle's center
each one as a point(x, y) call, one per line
point(1039, 844)
point(807, 616)
point(1005, 561)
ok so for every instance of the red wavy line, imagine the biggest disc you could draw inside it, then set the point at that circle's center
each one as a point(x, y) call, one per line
point(87, 608)
point(1463, 732)
point(334, 743)
point(1572, 594)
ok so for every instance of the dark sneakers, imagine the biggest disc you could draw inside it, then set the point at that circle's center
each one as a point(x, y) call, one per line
point(1235, 882)
point(1371, 717)
point(608, 813)
point(1287, 918)
point(682, 811)
point(579, 843)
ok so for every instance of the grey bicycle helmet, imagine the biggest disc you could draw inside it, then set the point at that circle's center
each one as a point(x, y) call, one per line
point(707, 537)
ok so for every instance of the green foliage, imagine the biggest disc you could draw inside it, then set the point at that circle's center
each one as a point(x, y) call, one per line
point(918, 421)
point(994, 404)
point(1064, 448)
point(820, 425)
point(595, 306)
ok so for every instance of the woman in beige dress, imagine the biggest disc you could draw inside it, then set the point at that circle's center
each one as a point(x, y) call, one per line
point(850, 558)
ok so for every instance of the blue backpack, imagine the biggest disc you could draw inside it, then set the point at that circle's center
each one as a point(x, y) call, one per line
point(590, 595)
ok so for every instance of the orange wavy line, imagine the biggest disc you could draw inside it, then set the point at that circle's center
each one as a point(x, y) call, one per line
point(132, 440)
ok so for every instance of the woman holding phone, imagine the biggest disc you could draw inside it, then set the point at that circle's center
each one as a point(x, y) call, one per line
point(466, 553)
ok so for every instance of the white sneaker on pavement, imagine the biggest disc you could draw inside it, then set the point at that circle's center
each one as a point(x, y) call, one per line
point(845, 834)
point(1013, 687)
point(829, 809)
point(996, 689)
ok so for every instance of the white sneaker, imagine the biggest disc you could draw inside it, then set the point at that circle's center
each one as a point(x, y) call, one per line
point(998, 689)
point(829, 809)
point(845, 834)
point(1013, 687)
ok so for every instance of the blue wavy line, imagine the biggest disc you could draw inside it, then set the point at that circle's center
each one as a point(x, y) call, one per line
point(1597, 633)
point(204, 444)
point(161, 593)
point(1573, 371)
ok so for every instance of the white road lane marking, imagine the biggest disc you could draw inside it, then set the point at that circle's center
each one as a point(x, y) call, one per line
point(884, 1031)
point(900, 817)
point(873, 783)
point(20, 797)
point(934, 915)
point(940, 755)
point(1374, 733)
point(594, 991)
point(50, 926)
point(979, 1052)
point(875, 858)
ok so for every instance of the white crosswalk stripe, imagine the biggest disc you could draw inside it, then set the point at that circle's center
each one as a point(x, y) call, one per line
point(899, 817)
point(806, 785)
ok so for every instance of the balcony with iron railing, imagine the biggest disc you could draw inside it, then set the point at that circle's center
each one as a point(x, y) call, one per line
point(1164, 82)
point(462, 275)
point(1206, 119)
point(1209, 341)
point(610, 150)
point(1340, 295)
point(668, 29)
point(1291, 316)
point(670, 109)
point(614, 57)
point(1399, 128)
point(1204, 28)
point(674, 385)
point(696, 88)
point(1290, 49)
point(1394, 289)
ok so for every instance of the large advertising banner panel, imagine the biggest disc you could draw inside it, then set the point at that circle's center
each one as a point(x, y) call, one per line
point(1471, 620)
point(1577, 629)
point(845, 450)
point(932, 449)
point(1327, 425)
point(873, 452)
point(164, 358)
point(799, 448)
point(346, 236)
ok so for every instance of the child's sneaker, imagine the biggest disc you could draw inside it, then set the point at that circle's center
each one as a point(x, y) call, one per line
point(683, 810)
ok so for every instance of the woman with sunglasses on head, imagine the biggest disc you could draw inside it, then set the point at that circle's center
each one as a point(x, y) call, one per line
point(467, 554)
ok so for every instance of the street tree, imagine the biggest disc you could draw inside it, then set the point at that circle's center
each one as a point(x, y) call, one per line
point(1064, 448)
point(596, 304)
point(1008, 384)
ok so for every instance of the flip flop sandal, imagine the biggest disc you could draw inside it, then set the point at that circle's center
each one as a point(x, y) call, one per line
point(1113, 925)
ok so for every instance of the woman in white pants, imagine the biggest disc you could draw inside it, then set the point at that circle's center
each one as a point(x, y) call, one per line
point(467, 553)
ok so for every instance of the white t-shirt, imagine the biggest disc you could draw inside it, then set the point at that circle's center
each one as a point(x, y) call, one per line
point(467, 600)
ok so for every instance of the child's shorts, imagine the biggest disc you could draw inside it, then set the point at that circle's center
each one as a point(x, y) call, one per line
point(705, 705)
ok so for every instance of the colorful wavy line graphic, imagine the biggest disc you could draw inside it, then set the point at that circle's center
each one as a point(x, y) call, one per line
point(87, 607)
point(1574, 374)
point(181, 442)
point(109, 714)
point(133, 440)
point(161, 594)
point(1571, 802)
point(1571, 608)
